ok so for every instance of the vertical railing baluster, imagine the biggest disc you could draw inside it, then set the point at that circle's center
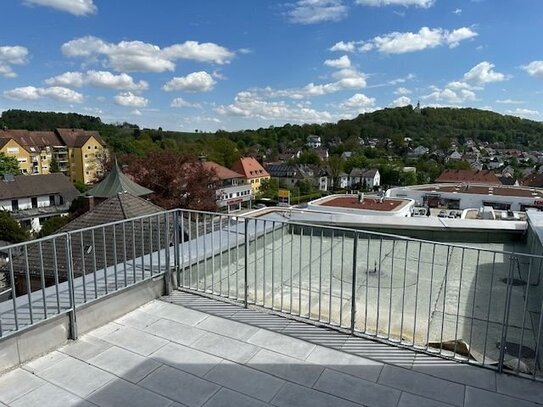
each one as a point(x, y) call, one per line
point(71, 289)
point(379, 286)
point(42, 280)
point(198, 251)
point(489, 304)
point(190, 267)
point(220, 254)
point(282, 263)
point(159, 245)
point(524, 309)
point(291, 266)
point(321, 255)
point(83, 266)
point(133, 252)
point(273, 267)
point(212, 237)
point(264, 266)
point(28, 285)
point(105, 258)
point(538, 340)
point(331, 277)
point(341, 279)
point(237, 258)
point(142, 237)
point(367, 286)
point(300, 273)
point(256, 260)
point(246, 265)
point(353, 283)
point(176, 262)
point(13, 289)
point(115, 271)
point(93, 263)
point(458, 303)
point(444, 299)
point(390, 291)
point(167, 260)
point(124, 254)
point(310, 270)
point(505, 321)
point(55, 273)
point(417, 294)
point(474, 296)
point(403, 289)
point(429, 295)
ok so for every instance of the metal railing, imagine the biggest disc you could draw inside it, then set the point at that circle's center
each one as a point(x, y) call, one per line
point(473, 305)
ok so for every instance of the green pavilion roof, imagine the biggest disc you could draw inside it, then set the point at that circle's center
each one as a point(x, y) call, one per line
point(116, 182)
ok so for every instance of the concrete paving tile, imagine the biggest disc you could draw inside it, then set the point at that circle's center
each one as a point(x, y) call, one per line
point(174, 312)
point(50, 395)
point(357, 390)
point(174, 331)
point(135, 340)
point(379, 352)
point(288, 368)
point(423, 385)
point(85, 347)
point(227, 327)
point(245, 380)
point(456, 372)
point(105, 330)
point(76, 376)
point(137, 319)
point(482, 398)
point(282, 344)
point(180, 386)
point(44, 362)
point(410, 400)
point(187, 359)
point(229, 398)
point(354, 365)
point(224, 347)
point(17, 383)
point(294, 395)
point(261, 319)
point(521, 388)
point(122, 393)
point(123, 363)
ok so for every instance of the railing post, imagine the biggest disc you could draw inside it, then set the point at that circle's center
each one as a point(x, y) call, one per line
point(246, 268)
point(73, 334)
point(176, 266)
point(505, 321)
point(168, 269)
point(353, 290)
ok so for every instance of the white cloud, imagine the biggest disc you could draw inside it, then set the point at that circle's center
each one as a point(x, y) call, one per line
point(130, 56)
point(251, 105)
point(131, 100)
point(406, 78)
point(11, 55)
point(534, 68)
point(401, 101)
point(102, 79)
point(359, 102)
point(403, 42)
point(510, 102)
point(136, 112)
point(450, 96)
point(527, 113)
point(193, 82)
point(342, 46)
point(405, 3)
point(317, 11)
point(457, 11)
point(483, 73)
point(402, 91)
point(180, 102)
point(54, 92)
point(340, 63)
point(75, 7)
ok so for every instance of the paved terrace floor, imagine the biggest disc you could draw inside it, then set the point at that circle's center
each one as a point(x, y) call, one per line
point(187, 350)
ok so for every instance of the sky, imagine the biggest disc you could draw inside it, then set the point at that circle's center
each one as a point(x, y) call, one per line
point(245, 64)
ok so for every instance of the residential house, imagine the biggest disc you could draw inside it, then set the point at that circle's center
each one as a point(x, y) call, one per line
point(292, 175)
point(494, 163)
point(322, 153)
point(31, 200)
point(232, 192)
point(77, 152)
point(346, 155)
point(468, 176)
point(364, 178)
point(343, 180)
point(252, 171)
point(313, 141)
point(418, 152)
point(476, 165)
point(455, 155)
point(508, 180)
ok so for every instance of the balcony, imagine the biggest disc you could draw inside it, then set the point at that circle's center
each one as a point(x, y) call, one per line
point(266, 312)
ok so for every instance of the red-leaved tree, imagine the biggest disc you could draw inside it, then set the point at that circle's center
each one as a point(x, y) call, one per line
point(177, 180)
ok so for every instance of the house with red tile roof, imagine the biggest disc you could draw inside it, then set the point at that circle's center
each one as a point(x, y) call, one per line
point(230, 186)
point(253, 172)
point(469, 177)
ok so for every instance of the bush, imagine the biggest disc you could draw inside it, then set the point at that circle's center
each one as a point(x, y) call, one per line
point(53, 224)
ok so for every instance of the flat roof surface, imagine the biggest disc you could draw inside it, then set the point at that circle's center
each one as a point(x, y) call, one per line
point(372, 204)
point(197, 351)
point(486, 190)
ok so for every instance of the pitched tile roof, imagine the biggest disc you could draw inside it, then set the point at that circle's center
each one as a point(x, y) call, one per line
point(479, 177)
point(117, 182)
point(249, 167)
point(222, 173)
point(78, 137)
point(23, 186)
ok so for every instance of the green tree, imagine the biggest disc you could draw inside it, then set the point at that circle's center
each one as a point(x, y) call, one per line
point(10, 230)
point(269, 188)
point(81, 187)
point(335, 165)
point(309, 157)
point(53, 224)
point(9, 165)
point(53, 166)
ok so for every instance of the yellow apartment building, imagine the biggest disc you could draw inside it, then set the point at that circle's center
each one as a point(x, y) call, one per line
point(253, 172)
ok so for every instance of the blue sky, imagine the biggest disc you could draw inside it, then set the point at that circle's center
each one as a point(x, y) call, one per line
point(237, 64)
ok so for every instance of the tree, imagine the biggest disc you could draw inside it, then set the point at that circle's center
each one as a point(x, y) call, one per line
point(10, 230)
point(9, 165)
point(53, 224)
point(335, 164)
point(269, 188)
point(177, 181)
point(309, 157)
point(53, 166)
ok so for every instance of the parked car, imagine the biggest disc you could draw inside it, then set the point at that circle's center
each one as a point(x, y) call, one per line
point(442, 214)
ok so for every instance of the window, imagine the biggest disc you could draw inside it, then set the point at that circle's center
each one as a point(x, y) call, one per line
point(96, 147)
point(34, 202)
point(14, 204)
point(51, 200)
point(86, 155)
point(13, 150)
point(89, 147)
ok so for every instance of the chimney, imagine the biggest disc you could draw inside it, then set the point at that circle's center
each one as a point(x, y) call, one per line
point(89, 201)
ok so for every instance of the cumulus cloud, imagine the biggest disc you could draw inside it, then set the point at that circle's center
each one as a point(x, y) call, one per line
point(483, 73)
point(527, 113)
point(402, 91)
point(101, 79)
point(401, 101)
point(136, 112)
point(359, 102)
point(405, 3)
point(130, 100)
point(317, 11)
point(534, 68)
point(403, 42)
point(193, 82)
point(11, 55)
point(54, 92)
point(251, 105)
point(75, 7)
point(340, 63)
point(450, 96)
point(510, 102)
point(130, 56)
point(180, 102)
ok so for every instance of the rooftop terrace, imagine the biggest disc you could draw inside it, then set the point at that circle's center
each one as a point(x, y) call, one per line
point(431, 320)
